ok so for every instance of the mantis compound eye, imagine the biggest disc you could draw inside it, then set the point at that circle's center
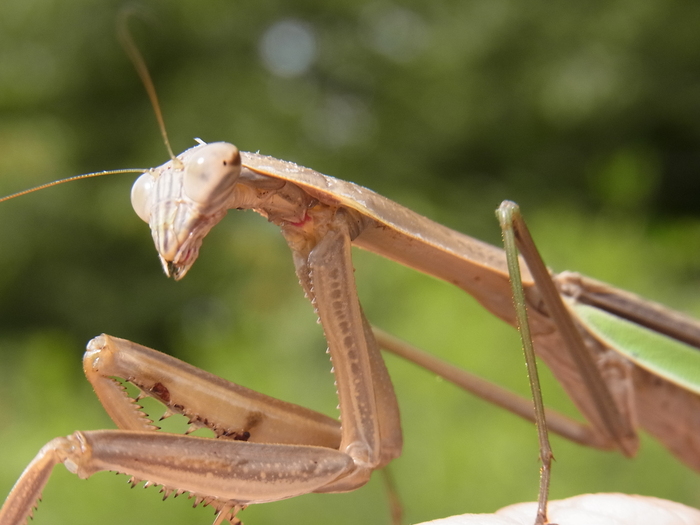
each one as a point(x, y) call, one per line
point(210, 176)
point(140, 196)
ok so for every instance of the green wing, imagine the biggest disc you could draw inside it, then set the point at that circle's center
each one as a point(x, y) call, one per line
point(661, 355)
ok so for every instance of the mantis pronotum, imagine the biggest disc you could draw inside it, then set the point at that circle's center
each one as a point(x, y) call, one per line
point(430, 433)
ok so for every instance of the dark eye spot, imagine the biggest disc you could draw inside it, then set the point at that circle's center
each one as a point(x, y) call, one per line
point(225, 163)
point(161, 392)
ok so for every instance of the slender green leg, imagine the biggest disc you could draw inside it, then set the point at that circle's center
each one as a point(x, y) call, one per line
point(619, 429)
point(505, 214)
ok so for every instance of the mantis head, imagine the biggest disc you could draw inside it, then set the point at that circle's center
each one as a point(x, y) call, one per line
point(184, 198)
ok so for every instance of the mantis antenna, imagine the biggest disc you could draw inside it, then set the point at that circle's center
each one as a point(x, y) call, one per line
point(139, 63)
point(70, 179)
point(137, 60)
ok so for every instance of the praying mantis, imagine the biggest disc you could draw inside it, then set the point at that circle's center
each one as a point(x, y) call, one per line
point(431, 430)
point(319, 216)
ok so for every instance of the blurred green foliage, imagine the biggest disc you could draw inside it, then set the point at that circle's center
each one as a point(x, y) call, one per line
point(585, 114)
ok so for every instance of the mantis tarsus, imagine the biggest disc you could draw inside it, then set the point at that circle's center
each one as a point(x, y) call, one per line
point(572, 265)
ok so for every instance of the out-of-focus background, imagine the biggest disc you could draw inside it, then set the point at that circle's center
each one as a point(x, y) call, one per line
point(588, 115)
